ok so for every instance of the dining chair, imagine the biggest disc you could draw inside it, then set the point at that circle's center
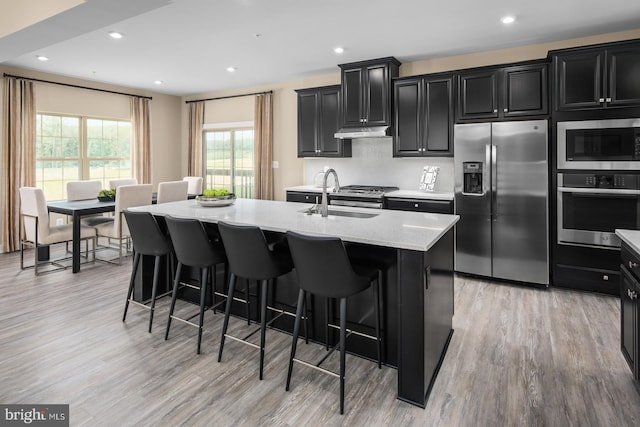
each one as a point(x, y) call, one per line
point(172, 191)
point(195, 184)
point(38, 232)
point(87, 190)
point(127, 196)
point(83, 190)
point(115, 183)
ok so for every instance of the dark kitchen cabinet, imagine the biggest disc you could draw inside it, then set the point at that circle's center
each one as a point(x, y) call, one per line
point(629, 291)
point(419, 205)
point(366, 92)
point(304, 197)
point(424, 115)
point(318, 121)
point(629, 308)
point(503, 93)
point(597, 78)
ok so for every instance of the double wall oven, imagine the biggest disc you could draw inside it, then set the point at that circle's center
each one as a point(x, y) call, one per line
point(598, 182)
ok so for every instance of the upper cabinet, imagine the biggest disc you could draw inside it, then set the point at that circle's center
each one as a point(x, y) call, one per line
point(502, 93)
point(597, 77)
point(366, 92)
point(318, 121)
point(423, 116)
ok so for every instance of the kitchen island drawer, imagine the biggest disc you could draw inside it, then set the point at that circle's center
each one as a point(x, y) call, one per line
point(419, 205)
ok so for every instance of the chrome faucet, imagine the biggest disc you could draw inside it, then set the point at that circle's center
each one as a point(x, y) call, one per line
point(324, 208)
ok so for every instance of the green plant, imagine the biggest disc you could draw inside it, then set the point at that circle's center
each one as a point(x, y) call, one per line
point(216, 192)
point(107, 193)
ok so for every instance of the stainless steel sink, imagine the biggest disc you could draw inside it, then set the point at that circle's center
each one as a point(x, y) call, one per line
point(351, 214)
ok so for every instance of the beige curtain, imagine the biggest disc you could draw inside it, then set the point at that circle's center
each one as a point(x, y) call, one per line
point(141, 139)
point(264, 147)
point(196, 120)
point(18, 154)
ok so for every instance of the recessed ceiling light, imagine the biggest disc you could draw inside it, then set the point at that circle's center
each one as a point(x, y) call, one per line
point(338, 50)
point(158, 82)
point(231, 69)
point(507, 19)
point(115, 35)
point(42, 58)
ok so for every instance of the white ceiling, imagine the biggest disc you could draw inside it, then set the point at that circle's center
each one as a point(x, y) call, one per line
point(188, 44)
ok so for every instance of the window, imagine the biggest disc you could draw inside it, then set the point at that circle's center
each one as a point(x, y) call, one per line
point(229, 160)
point(72, 148)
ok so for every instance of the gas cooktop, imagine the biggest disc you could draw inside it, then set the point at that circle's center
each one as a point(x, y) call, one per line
point(365, 190)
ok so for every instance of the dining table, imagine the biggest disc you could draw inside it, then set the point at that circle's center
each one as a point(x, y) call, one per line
point(79, 208)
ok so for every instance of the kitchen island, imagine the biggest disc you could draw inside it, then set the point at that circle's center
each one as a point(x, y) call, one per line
point(418, 299)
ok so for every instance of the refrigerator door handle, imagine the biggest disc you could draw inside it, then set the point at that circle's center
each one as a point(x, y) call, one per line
point(494, 182)
point(486, 175)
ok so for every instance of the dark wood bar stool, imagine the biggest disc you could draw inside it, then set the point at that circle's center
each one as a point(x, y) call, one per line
point(324, 269)
point(193, 248)
point(252, 258)
point(148, 239)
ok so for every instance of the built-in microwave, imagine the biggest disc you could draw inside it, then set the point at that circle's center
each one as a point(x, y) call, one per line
point(599, 144)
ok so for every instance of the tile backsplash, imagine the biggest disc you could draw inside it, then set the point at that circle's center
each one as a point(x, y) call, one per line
point(372, 163)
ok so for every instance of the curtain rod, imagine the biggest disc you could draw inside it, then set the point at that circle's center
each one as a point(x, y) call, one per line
point(76, 86)
point(230, 96)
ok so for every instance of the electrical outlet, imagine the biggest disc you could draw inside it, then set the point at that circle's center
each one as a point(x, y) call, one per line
point(59, 221)
point(276, 164)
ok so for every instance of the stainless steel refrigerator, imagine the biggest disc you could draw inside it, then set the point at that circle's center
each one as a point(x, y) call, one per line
point(501, 195)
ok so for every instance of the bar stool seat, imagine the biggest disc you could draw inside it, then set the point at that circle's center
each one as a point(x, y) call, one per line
point(193, 248)
point(148, 239)
point(252, 257)
point(324, 269)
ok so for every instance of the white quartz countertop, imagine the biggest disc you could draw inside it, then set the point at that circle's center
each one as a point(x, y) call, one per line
point(396, 229)
point(408, 194)
point(631, 238)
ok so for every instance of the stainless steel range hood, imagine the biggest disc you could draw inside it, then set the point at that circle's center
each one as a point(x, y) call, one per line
point(365, 132)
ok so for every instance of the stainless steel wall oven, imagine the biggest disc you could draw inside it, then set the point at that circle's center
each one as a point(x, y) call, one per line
point(591, 206)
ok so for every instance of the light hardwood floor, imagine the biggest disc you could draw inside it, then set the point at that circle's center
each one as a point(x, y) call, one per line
point(518, 357)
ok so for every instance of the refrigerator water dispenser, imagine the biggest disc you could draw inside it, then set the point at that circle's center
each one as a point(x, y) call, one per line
point(472, 178)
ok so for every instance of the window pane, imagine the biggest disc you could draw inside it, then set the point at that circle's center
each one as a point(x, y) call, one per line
point(59, 155)
point(52, 177)
point(229, 160)
point(218, 155)
point(109, 139)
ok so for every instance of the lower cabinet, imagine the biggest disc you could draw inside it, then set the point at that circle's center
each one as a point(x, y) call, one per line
point(419, 205)
point(304, 197)
point(629, 309)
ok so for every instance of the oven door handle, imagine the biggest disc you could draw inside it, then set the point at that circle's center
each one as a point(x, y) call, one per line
point(608, 191)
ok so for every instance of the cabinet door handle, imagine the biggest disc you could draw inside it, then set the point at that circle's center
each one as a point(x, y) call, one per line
point(605, 277)
point(601, 100)
point(629, 293)
point(495, 111)
point(506, 110)
point(415, 205)
point(634, 295)
point(608, 99)
point(633, 264)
